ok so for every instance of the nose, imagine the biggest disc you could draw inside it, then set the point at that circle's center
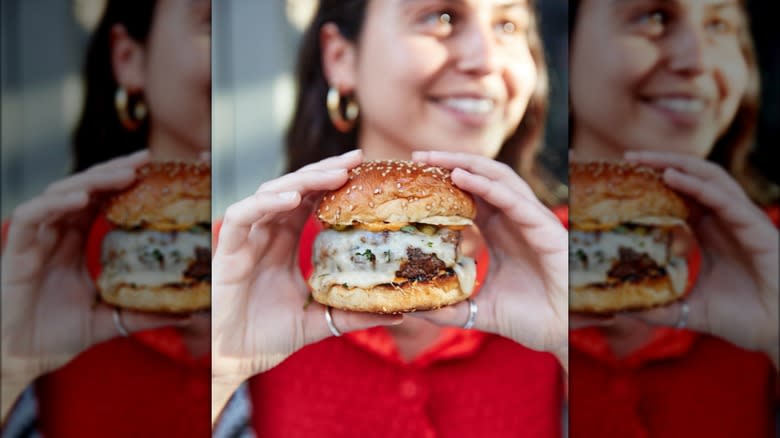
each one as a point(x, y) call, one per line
point(687, 49)
point(477, 49)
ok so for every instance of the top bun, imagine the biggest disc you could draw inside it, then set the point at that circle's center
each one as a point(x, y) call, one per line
point(166, 196)
point(397, 192)
point(604, 194)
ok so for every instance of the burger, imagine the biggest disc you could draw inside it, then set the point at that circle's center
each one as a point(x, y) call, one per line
point(391, 240)
point(627, 238)
point(157, 258)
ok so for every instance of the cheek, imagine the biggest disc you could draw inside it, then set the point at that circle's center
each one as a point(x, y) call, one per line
point(408, 63)
point(521, 78)
point(734, 78)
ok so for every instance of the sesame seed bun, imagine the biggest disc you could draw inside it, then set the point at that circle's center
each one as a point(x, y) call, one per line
point(392, 199)
point(408, 296)
point(604, 195)
point(396, 192)
point(163, 210)
point(160, 299)
point(166, 196)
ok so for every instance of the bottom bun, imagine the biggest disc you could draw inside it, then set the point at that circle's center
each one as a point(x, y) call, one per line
point(645, 294)
point(394, 298)
point(164, 299)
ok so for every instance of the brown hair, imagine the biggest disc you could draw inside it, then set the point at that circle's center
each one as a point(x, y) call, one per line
point(732, 149)
point(99, 135)
point(311, 136)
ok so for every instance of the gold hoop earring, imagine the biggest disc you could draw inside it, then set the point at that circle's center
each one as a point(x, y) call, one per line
point(343, 122)
point(131, 120)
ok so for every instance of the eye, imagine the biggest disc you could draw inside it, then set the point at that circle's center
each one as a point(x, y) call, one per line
point(507, 27)
point(439, 18)
point(653, 21)
point(721, 26)
point(653, 18)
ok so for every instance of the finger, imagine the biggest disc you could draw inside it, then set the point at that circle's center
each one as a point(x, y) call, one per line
point(240, 216)
point(478, 165)
point(134, 161)
point(743, 218)
point(305, 181)
point(671, 315)
point(315, 325)
point(28, 217)
point(584, 320)
point(539, 226)
point(691, 165)
point(104, 327)
point(94, 181)
point(346, 160)
point(457, 315)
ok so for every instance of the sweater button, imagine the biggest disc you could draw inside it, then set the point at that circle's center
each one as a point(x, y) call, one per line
point(409, 389)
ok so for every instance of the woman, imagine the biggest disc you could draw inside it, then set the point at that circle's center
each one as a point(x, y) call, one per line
point(148, 88)
point(464, 81)
point(674, 85)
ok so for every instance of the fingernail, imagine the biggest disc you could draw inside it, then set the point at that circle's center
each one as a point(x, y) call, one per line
point(351, 153)
point(288, 196)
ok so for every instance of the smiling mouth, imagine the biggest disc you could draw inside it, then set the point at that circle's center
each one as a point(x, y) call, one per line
point(468, 105)
point(681, 105)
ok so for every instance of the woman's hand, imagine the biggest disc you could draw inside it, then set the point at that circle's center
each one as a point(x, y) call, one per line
point(525, 294)
point(49, 309)
point(736, 294)
point(260, 302)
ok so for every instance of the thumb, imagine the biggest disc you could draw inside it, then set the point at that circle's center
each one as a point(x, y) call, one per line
point(316, 326)
point(107, 326)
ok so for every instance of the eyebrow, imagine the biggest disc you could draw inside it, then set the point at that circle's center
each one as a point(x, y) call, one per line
point(503, 4)
point(713, 5)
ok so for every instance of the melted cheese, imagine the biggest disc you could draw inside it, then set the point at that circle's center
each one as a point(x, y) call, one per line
point(149, 257)
point(358, 258)
point(601, 250)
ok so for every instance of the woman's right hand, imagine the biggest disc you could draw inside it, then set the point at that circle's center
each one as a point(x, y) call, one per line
point(49, 309)
point(260, 305)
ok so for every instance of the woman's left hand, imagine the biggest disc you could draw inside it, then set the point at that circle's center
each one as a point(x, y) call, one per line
point(525, 296)
point(736, 294)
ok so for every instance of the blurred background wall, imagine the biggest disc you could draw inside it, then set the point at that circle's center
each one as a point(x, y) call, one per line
point(41, 52)
point(254, 46)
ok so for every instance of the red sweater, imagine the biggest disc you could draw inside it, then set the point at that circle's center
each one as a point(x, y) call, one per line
point(679, 384)
point(467, 384)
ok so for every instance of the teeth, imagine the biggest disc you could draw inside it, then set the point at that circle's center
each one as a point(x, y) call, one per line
point(682, 105)
point(469, 105)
